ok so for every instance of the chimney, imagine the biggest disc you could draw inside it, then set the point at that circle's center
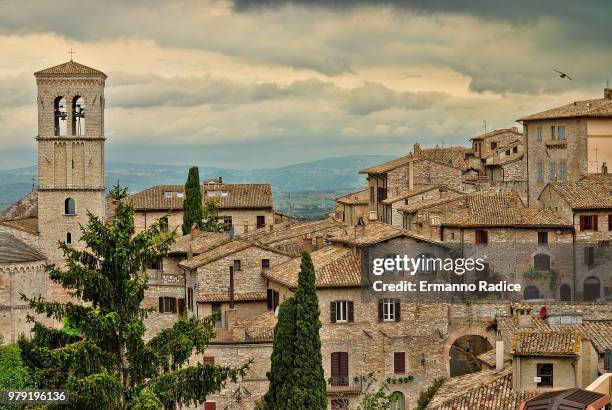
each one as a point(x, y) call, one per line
point(307, 243)
point(523, 316)
point(319, 242)
point(499, 355)
point(608, 93)
point(515, 129)
point(220, 180)
point(271, 227)
point(416, 147)
point(604, 168)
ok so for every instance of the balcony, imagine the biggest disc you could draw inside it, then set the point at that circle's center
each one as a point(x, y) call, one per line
point(343, 385)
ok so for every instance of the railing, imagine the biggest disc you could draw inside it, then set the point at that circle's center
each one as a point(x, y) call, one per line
point(344, 384)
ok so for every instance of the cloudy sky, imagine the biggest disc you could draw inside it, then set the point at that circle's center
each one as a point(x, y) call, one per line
point(249, 83)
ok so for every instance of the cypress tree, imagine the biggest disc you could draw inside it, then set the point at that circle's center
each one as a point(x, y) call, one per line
point(192, 206)
point(309, 390)
point(280, 372)
point(103, 360)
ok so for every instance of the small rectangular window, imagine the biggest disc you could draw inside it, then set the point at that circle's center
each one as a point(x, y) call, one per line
point(261, 221)
point(227, 221)
point(167, 304)
point(589, 255)
point(481, 237)
point(273, 298)
point(168, 194)
point(542, 238)
point(553, 171)
point(545, 373)
point(561, 132)
point(514, 150)
point(265, 264)
point(539, 134)
point(389, 311)
point(508, 152)
point(493, 144)
point(237, 265)
point(553, 136)
point(399, 362)
point(540, 171)
point(588, 222)
point(562, 170)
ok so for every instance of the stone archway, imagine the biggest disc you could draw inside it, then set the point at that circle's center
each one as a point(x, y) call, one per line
point(457, 333)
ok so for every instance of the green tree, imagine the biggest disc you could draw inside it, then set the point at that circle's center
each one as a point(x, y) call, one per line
point(103, 360)
point(280, 374)
point(375, 399)
point(211, 219)
point(309, 389)
point(192, 206)
point(426, 395)
point(13, 373)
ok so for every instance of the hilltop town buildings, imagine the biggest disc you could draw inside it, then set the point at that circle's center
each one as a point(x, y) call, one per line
point(545, 226)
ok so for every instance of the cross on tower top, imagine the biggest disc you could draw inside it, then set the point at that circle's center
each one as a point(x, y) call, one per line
point(71, 52)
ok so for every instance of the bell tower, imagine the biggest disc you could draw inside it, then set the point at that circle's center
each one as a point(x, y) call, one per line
point(70, 152)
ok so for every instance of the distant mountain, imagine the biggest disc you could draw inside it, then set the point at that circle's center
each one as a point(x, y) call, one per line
point(330, 176)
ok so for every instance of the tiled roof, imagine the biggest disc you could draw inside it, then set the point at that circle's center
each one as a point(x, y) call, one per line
point(26, 207)
point(334, 267)
point(373, 232)
point(229, 195)
point(450, 156)
point(354, 198)
point(587, 193)
point(490, 359)
point(599, 333)
point(558, 342)
point(201, 243)
point(418, 190)
point(213, 254)
point(507, 327)
point(454, 196)
point(485, 390)
point(29, 225)
point(70, 68)
point(13, 250)
point(503, 160)
point(503, 135)
point(601, 107)
point(261, 328)
point(238, 297)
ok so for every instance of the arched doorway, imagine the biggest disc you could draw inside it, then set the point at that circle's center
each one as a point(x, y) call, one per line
point(565, 293)
point(531, 292)
point(463, 354)
point(591, 288)
point(400, 403)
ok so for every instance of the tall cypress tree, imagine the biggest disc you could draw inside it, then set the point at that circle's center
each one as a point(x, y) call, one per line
point(192, 206)
point(104, 362)
point(280, 374)
point(309, 390)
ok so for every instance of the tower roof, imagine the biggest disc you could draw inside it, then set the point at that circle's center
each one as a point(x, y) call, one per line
point(70, 68)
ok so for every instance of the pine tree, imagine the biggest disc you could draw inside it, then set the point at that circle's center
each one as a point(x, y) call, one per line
point(280, 374)
point(192, 206)
point(104, 362)
point(309, 390)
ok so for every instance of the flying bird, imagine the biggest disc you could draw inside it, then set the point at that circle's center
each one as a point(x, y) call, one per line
point(563, 75)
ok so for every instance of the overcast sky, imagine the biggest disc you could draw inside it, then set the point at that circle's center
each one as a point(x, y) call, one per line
point(233, 84)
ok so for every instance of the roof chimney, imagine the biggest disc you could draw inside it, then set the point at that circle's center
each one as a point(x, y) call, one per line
point(515, 129)
point(523, 316)
point(220, 180)
point(307, 243)
point(608, 93)
point(416, 147)
point(499, 355)
point(604, 168)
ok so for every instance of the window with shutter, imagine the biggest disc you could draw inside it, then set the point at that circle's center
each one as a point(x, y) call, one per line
point(161, 305)
point(595, 223)
point(270, 300)
point(181, 306)
point(351, 312)
point(332, 312)
point(399, 362)
point(339, 369)
point(397, 310)
point(237, 265)
point(588, 222)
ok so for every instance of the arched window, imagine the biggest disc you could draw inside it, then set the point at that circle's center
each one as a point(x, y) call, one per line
point(69, 206)
point(60, 126)
point(78, 116)
point(531, 292)
point(541, 262)
point(400, 402)
point(591, 288)
point(565, 293)
point(68, 238)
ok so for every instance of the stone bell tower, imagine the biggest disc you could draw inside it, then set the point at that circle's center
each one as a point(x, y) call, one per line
point(70, 152)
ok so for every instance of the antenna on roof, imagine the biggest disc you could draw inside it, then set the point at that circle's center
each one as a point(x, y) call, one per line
point(484, 122)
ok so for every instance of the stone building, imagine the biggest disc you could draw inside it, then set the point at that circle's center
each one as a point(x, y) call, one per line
point(568, 142)
point(431, 166)
point(243, 207)
point(351, 207)
point(587, 203)
point(493, 143)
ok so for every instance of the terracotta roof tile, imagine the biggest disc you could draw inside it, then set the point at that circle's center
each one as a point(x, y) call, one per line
point(449, 156)
point(261, 328)
point(430, 203)
point(374, 232)
point(26, 207)
point(504, 135)
point(238, 297)
point(334, 267)
point(213, 254)
point(599, 333)
point(29, 225)
point(13, 250)
point(553, 342)
point(170, 197)
point(354, 198)
point(70, 68)
point(601, 107)
point(201, 243)
point(586, 193)
point(418, 190)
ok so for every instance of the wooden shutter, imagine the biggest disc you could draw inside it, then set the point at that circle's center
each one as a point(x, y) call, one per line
point(344, 368)
point(208, 360)
point(399, 362)
point(380, 310)
point(270, 299)
point(595, 222)
point(397, 310)
point(172, 304)
point(351, 311)
point(275, 299)
point(161, 305)
point(335, 366)
point(609, 222)
point(332, 312)
point(181, 306)
point(582, 222)
point(210, 405)
point(339, 368)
